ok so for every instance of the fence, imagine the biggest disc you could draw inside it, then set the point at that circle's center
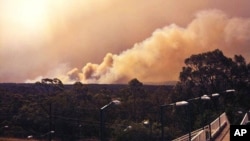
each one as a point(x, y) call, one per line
point(244, 120)
point(210, 131)
point(186, 137)
point(201, 136)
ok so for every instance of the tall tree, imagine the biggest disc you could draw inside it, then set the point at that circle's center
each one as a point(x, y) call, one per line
point(210, 72)
point(135, 89)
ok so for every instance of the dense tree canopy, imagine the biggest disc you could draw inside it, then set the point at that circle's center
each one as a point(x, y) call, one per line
point(211, 72)
point(72, 111)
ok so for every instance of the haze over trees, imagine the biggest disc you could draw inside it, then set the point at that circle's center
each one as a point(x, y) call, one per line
point(72, 111)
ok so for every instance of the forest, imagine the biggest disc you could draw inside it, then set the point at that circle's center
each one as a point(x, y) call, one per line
point(49, 109)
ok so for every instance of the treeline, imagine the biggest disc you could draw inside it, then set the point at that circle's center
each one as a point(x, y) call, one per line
point(73, 111)
point(52, 110)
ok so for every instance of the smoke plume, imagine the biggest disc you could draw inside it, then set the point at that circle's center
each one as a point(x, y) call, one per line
point(160, 57)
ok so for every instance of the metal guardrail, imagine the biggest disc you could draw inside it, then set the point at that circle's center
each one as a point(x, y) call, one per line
point(186, 136)
point(200, 136)
point(212, 129)
point(244, 120)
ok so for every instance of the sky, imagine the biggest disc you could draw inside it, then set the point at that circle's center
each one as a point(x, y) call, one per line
point(114, 41)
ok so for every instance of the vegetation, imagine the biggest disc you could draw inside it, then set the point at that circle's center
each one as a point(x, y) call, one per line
point(72, 111)
point(212, 72)
point(49, 109)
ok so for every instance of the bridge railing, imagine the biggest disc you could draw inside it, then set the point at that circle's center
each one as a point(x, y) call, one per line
point(217, 124)
point(201, 136)
point(244, 120)
point(186, 136)
point(209, 131)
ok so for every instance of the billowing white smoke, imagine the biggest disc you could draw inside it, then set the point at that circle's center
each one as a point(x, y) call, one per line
point(160, 57)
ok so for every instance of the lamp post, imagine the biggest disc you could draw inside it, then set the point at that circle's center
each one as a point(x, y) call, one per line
point(230, 90)
point(179, 103)
point(148, 123)
point(113, 102)
point(182, 103)
point(207, 97)
point(216, 95)
point(203, 97)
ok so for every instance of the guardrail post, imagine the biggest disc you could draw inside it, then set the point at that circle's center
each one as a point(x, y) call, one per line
point(210, 132)
point(219, 122)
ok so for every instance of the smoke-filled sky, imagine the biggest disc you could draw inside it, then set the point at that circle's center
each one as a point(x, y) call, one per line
point(114, 41)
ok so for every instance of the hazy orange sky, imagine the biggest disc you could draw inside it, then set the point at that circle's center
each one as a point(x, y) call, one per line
point(113, 41)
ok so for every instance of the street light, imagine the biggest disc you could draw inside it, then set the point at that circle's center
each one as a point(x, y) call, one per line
point(230, 90)
point(203, 97)
point(148, 123)
point(179, 103)
point(29, 137)
point(113, 102)
point(217, 95)
point(183, 103)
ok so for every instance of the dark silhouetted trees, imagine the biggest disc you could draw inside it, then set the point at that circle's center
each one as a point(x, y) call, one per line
point(73, 110)
point(212, 72)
